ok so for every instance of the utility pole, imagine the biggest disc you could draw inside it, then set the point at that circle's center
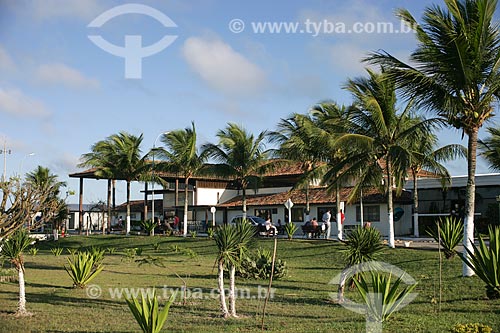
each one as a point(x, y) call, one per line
point(5, 152)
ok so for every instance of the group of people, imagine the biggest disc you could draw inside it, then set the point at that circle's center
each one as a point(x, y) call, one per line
point(326, 222)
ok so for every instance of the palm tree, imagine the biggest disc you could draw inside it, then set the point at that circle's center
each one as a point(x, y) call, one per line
point(490, 148)
point(455, 73)
point(100, 159)
point(378, 137)
point(42, 178)
point(119, 157)
point(297, 137)
point(232, 243)
point(13, 249)
point(182, 157)
point(241, 156)
point(424, 155)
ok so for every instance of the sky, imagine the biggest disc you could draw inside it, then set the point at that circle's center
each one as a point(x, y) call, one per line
point(60, 92)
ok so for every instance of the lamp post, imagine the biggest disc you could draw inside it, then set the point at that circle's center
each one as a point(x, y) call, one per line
point(152, 180)
point(21, 164)
point(5, 152)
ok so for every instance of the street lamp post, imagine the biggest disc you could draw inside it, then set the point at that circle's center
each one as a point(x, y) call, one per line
point(21, 164)
point(153, 181)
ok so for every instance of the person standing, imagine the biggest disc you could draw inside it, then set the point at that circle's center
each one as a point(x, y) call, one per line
point(326, 220)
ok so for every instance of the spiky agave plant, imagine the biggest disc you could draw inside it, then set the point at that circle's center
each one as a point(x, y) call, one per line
point(147, 313)
point(82, 268)
point(448, 233)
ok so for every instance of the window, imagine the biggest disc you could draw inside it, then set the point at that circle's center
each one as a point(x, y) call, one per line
point(297, 215)
point(322, 210)
point(370, 213)
point(263, 213)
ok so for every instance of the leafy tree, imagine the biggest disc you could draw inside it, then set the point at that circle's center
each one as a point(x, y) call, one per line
point(490, 148)
point(241, 156)
point(13, 249)
point(182, 157)
point(454, 72)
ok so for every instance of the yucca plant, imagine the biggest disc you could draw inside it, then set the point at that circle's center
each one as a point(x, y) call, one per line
point(82, 269)
point(148, 314)
point(56, 251)
point(290, 229)
point(448, 233)
point(98, 254)
point(361, 245)
point(149, 226)
point(210, 232)
point(382, 297)
point(485, 262)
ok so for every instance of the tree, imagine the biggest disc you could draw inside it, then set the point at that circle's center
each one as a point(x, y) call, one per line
point(490, 148)
point(232, 243)
point(119, 157)
point(297, 137)
point(424, 156)
point(378, 136)
point(182, 157)
point(455, 73)
point(13, 249)
point(23, 204)
point(241, 156)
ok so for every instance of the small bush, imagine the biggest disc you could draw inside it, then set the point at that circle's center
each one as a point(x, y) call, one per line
point(290, 229)
point(33, 251)
point(259, 264)
point(82, 268)
point(56, 251)
point(471, 328)
point(156, 247)
point(210, 232)
point(450, 234)
point(148, 314)
point(149, 226)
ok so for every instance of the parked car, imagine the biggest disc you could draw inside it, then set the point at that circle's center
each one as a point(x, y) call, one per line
point(258, 222)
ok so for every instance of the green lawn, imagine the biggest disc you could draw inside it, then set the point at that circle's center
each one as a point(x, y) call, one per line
point(301, 302)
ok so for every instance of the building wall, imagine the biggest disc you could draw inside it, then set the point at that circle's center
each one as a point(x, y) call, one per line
point(91, 221)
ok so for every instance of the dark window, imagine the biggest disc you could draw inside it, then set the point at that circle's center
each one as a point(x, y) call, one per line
point(297, 215)
point(370, 213)
point(263, 213)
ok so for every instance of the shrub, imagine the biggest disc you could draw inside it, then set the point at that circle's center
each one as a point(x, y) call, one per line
point(210, 232)
point(450, 234)
point(485, 262)
point(362, 244)
point(156, 247)
point(97, 253)
point(382, 297)
point(82, 268)
point(33, 251)
point(148, 225)
point(56, 251)
point(290, 229)
point(148, 314)
point(193, 234)
point(471, 328)
point(258, 266)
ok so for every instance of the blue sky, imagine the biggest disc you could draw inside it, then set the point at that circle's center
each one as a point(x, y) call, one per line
point(60, 93)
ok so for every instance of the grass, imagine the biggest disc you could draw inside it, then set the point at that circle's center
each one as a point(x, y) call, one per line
point(301, 302)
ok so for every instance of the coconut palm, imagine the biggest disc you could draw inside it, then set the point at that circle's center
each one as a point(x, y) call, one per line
point(297, 137)
point(454, 72)
point(424, 155)
point(490, 148)
point(241, 156)
point(119, 157)
point(13, 250)
point(182, 157)
point(379, 136)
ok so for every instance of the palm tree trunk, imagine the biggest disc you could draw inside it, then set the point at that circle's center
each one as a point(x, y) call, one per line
point(339, 215)
point(389, 203)
point(232, 291)
point(128, 208)
point(222, 293)
point(109, 205)
point(415, 205)
point(244, 202)
point(308, 208)
point(470, 200)
point(186, 202)
point(21, 309)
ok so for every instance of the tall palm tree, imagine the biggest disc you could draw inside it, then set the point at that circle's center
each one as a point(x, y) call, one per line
point(119, 157)
point(379, 136)
point(183, 158)
point(490, 148)
point(455, 73)
point(13, 249)
point(241, 156)
point(297, 137)
point(425, 156)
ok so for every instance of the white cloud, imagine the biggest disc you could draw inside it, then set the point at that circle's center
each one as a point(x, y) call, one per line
point(50, 9)
point(6, 62)
point(14, 102)
point(223, 68)
point(58, 73)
